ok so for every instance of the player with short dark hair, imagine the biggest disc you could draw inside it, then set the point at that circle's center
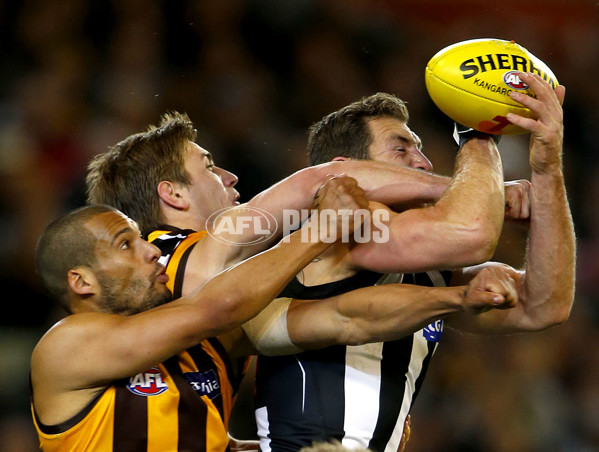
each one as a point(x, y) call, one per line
point(361, 395)
point(128, 369)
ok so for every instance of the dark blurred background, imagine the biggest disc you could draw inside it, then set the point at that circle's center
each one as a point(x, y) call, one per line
point(76, 77)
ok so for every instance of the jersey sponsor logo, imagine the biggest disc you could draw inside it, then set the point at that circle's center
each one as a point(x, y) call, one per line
point(148, 383)
point(433, 332)
point(206, 383)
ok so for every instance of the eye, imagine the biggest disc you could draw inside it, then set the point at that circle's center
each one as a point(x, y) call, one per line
point(210, 167)
point(125, 245)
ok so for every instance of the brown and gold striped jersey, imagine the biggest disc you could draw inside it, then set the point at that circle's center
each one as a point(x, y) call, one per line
point(182, 404)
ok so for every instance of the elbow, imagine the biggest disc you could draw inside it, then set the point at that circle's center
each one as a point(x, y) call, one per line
point(558, 306)
point(479, 243)
point(484, 246)
point(549, 318)
point(558, 316)
point(227, 313)
point(470, 239)
point(486, 237)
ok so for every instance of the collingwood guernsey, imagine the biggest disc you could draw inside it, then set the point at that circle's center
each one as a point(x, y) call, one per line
point(359, 395)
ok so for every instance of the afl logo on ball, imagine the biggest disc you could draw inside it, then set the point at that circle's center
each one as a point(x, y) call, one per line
point(512, 79)
point(148, 383)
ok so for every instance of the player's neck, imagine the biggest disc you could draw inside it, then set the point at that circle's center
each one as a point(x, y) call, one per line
point(185, 220)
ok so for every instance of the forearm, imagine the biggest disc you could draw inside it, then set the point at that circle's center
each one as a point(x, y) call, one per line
point(475, 200)
point(465, 224)
point(398, 312)
point(246, 288)
point(382, 182)
point(546, 287)
point(392, 184)
point(371, 314)
point(461, 229)
point(547, 291)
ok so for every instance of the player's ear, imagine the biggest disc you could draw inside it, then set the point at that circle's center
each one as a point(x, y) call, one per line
point(82, 281)
point(172, 195)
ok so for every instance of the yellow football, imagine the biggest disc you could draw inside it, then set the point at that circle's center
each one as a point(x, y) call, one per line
point(470, 82)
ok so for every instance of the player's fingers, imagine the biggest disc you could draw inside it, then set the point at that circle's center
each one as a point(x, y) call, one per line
point(503, 284)
point(517, 199)
point(511, 293)
point(525, 207)
point(331, 176)
point(520, 121)
point(546, 101)
point(348, 187)
point(486, 296)
point(544, 93)
point(560, 92)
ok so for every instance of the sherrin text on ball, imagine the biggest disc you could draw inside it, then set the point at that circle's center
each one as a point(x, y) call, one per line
point(470, 82)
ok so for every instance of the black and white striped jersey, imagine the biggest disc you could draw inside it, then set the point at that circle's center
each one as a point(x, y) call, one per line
point(359, 395)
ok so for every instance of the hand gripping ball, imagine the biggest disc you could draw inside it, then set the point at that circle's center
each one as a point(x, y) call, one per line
point(470, 82)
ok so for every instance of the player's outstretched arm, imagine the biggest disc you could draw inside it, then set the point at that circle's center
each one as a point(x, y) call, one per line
point(389, 312)
point(373, 314)
point(546, 287)
point(383, 182)
point(85, 352)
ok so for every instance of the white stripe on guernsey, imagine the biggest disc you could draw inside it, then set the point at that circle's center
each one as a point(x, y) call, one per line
point(303, 383)
point(390, 278)
point(263, 430)
point(362, 388)
point(163, 260)
point(170, 236)
point(419, 352)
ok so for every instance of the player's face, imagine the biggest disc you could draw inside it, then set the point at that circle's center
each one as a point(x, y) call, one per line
point(127, 269)
point(394, 142)
point(211, 187)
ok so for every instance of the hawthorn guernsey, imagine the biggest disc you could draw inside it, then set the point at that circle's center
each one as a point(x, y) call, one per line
point(470, 82)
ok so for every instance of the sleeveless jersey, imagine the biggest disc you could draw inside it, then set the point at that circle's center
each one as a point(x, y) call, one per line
point(182, 404)
point(359, 395)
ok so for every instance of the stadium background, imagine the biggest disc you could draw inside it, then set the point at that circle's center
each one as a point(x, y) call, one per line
point(78, 76)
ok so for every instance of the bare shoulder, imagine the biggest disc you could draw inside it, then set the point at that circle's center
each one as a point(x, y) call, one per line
point(65, 337)
point(56, 394)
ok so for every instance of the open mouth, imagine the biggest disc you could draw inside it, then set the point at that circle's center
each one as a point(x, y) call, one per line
point(161, 276)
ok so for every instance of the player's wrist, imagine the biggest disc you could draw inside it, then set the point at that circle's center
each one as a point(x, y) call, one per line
point(463, 134)
point(453, 299)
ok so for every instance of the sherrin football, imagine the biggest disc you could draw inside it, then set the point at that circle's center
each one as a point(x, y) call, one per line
point(470, 82)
